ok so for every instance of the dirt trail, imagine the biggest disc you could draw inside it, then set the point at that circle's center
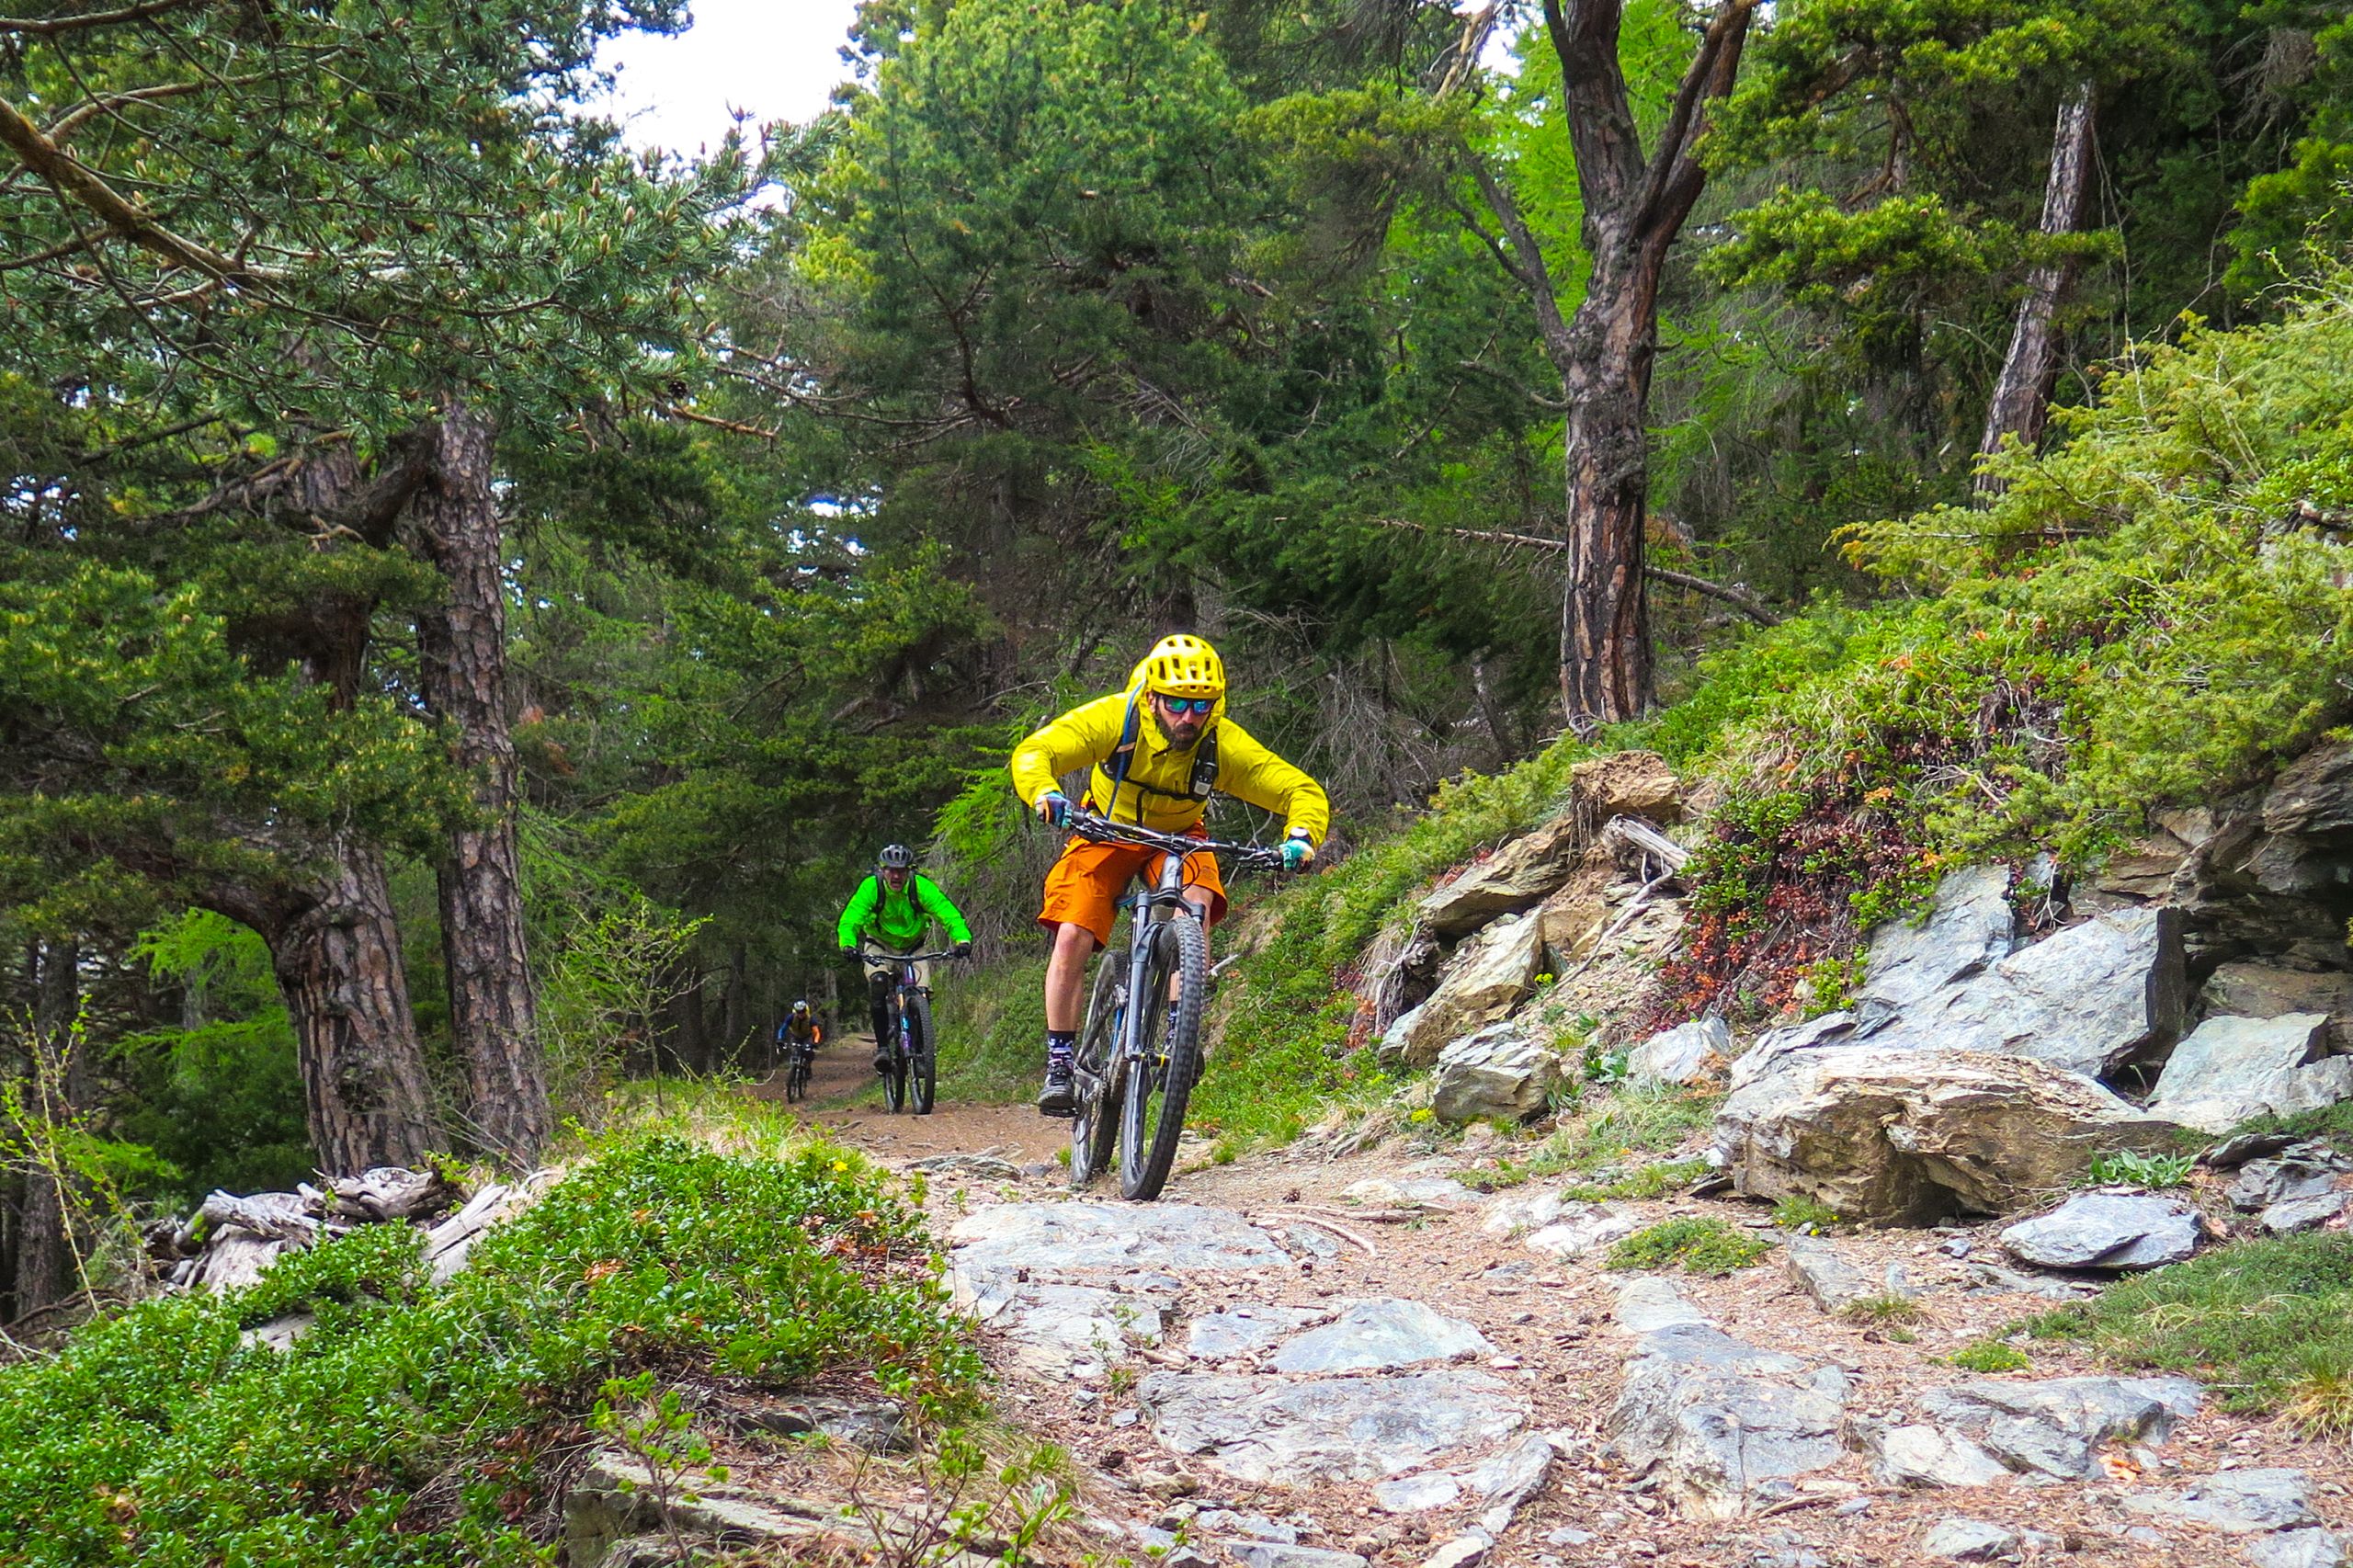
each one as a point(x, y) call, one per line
point(1303, 1361)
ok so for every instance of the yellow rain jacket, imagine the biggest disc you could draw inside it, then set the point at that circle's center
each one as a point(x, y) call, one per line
point(1157, 791)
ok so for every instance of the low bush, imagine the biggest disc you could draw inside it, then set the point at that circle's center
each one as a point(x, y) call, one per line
point(1989, 1355)
point(417, 1422)
point(1701, 1245)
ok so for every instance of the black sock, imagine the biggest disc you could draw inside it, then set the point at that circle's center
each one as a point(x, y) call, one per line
point(1061, 1042)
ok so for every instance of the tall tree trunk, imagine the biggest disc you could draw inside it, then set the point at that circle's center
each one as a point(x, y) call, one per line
point(737, 1007)
point(2021, 403)
point(48, 1268)
point(1635, 206)
point(461, 646)
point(338, 954)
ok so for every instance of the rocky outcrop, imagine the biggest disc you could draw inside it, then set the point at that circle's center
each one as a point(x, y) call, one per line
point(1517, 877)
point(1500, 1071)
point(2107, 1231)
point(1969, 928)
point(1488, 976)
point(1911, 1136)
point(2231, 1070)
point(1381, 1335)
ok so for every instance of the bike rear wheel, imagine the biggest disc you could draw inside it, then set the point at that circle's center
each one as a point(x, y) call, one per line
point(923, 1054)
point(1094, 1126)
point(1152, 1113)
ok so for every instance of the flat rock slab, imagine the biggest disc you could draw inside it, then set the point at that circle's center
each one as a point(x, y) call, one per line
point(1409, 1192)
point(1647, 1303)
point(1584, 1228)
point(1723, 1424)
point(1920, 1455)
point(980, 1167)
point(1284, 1554)
point(2296, 1548)
point(2054, 1425)
point(1968, 1540)
point(1066, 1331)
point(1382, 1335)
point(1696, 1053)
point(1340, 1429)
point(2107, 1230)
point(2236, 1502)
point(1822, 1271)
point(1081, 1237)
point(1243, 1331)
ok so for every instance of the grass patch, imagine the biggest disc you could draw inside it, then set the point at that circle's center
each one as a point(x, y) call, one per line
point(1644, 1183)
point(2269, 1324)
point(418, 1423)
point(1880, 1311)
point(1700, 1246)
point(2329, 1124)
point(1805, 1215)
point(2127, 1167)
point(1990, 1356)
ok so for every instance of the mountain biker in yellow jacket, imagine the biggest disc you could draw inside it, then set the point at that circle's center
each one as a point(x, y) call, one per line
point(1157, 750)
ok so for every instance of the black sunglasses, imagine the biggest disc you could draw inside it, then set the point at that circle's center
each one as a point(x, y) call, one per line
point(1189, 704)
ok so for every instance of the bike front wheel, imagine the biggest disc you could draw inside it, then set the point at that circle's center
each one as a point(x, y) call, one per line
point(796, 1079)
point(923, 1054)
point(1160, 1076)
point(895, 1069)
point(1094, 1126)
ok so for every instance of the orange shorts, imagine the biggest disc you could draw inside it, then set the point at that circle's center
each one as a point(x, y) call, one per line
point(1086, 882)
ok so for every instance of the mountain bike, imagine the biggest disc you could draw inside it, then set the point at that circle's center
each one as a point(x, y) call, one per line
point(1138, 1056)
point(799, 1058)
point(914, 1069)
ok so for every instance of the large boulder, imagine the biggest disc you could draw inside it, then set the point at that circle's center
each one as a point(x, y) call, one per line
point(2090, 998)
point(1499, 1071)
point(1914, 1136)
point(2231, 1070)
point(1517, 877)
point(1488, 976)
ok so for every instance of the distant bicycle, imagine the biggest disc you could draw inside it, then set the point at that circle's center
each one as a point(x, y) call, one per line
point(914, 1063)
point(1138, 1058)
point(799, 1056)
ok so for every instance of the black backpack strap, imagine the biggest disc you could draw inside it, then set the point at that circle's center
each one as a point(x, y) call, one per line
point(1123, 756)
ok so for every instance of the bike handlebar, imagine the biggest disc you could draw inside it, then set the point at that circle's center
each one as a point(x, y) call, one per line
point(865, 951)
point(1096, 828)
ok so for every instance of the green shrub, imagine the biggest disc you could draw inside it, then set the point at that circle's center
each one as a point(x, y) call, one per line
point(412, 1417)
point(1989, 1355)
point(1806, 1214)
point(1702, 1246)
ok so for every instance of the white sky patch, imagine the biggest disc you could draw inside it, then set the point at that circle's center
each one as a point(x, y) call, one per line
point(774, 59)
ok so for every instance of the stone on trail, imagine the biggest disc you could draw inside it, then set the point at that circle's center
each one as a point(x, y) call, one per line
point(1930, 1455)
point(1647, 1303)
point(1107, 1238)
point(1417, 1494)
point(1498, 1071)
point(1464, 1551)
point(1242, 1331)
point(1722, 1424)
point(1820, 1270)
point(2107, 1230)
point(1910, 1136)
point(1696, 1053)
point(980, 1167)
point(1284, 1554)
point(1071, 1331)
point(1508, 1478)
point(1968, 1540)
point(2237, 1502)
point(1584, 1228)
point(1380, 1335)
point(1339, 1429)
point(1409, 1192)
point(2296, 1548)
point(1516, 1213)
point(2233, 1070)
point(2293, 1214)
point(2054, 1425)
point(2301, 1170)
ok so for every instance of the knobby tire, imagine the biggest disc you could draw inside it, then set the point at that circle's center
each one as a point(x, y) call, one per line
point(1148, 1138)
point(895, 1077)
point(796, 1079)
point(1094, 1126)
point(923, 1053)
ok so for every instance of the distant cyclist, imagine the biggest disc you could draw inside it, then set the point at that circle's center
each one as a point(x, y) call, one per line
point(892, 912)
point(798, 1032)
point(1157, 750)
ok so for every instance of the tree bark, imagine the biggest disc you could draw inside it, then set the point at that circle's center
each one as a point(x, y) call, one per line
point(461, 647)
point(337, 955)
point(2021, 402)
point(1635, 207)
point(48, 1269)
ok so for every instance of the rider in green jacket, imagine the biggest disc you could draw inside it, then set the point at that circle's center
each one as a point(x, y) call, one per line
point(892, 913)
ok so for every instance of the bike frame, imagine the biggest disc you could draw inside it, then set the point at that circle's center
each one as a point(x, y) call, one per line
point(908, 983)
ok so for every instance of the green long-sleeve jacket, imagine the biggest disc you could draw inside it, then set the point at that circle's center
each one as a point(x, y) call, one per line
point(898, 920)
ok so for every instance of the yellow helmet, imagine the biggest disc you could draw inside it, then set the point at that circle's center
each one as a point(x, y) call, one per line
point(1183, 665)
